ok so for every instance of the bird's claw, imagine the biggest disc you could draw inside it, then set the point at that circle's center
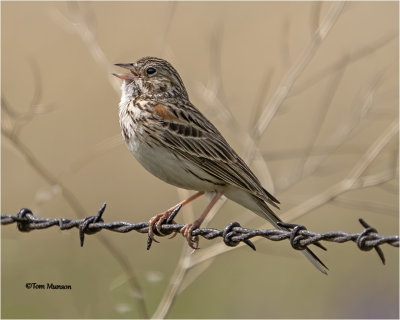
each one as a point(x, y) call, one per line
point(158, 220)
point(186, 231)
point(155, 221)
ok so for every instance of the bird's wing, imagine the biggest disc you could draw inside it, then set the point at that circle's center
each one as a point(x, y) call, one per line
point(194, 138)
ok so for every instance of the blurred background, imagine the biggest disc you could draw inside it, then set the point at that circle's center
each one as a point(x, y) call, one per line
point(307, 92)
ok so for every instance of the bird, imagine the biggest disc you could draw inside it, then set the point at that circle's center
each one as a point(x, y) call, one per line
point(176, 143)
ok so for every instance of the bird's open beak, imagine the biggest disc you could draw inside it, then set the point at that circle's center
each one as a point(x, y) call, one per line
point(126, 76)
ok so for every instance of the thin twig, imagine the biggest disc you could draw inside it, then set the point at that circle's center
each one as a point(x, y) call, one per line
point(352, 181)
point(341, 63)
point(292, 75)
point(342, 134)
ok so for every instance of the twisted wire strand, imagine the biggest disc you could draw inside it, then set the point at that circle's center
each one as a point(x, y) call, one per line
point(232, 235)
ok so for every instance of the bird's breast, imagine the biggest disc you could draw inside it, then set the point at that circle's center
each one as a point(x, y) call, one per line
point(130, 120)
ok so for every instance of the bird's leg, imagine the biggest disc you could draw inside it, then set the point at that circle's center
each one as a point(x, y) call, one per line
point(159, 219)
point(188, 228)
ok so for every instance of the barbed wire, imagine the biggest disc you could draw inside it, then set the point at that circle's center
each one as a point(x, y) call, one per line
point(232, 235)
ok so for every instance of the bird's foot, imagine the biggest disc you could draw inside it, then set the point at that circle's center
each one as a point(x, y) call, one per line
point(186, 231)
point(158, 220)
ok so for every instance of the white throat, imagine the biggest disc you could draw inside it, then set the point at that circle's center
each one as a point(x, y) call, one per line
point(129, 91)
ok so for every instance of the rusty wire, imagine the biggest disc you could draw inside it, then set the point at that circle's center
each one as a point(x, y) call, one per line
point(232, 235)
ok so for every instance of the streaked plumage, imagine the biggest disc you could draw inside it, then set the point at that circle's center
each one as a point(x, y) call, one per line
point(170, 137)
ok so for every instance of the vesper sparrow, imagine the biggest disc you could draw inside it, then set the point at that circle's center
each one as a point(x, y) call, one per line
point(176, 143)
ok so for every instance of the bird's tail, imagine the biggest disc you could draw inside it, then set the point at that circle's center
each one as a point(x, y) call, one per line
point(315, 261)
point(269, 215)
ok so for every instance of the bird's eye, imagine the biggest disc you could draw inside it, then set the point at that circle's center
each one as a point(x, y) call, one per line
point(150, 71)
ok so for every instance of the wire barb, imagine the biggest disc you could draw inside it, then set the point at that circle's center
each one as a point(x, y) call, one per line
point(23, 224)
point(298, 235)
point(364, 237)
point(229, 234)
point(84, 226)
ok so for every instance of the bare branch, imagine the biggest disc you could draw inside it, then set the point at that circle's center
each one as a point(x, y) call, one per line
point(300, 170)
point(365, 206)
point(344, 130)
point(342, 62)
point(352, 181)
point(295, 71)
point(82, 23)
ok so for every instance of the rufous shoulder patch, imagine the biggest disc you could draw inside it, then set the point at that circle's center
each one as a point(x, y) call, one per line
point(163, 112)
